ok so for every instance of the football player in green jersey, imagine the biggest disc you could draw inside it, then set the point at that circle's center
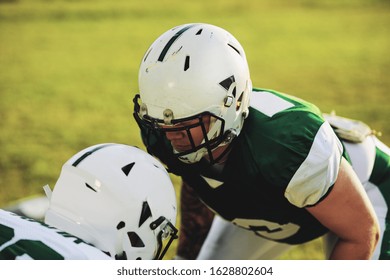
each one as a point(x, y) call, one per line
point(268, 164)
point(111, 201)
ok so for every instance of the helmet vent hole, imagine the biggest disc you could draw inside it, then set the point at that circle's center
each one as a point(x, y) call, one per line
point(146, 213)
point(187, 63)
point(199, 31)
point(227, 82)
point(126, 169)
point(122, 256)
point(135, 240)
point(120, 225)
point(234, 49)
point(234, 91)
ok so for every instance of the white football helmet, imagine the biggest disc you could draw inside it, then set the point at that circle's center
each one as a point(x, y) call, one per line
point(118, 198)
point(191, 71)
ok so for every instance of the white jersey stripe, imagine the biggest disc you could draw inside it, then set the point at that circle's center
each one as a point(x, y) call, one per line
point(268, 103)
point(319, 170)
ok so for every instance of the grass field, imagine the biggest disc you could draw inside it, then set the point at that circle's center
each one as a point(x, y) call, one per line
point(68, 70)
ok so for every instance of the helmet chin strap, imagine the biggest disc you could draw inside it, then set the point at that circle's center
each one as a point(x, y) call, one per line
point(222, 157)
point(193, 157)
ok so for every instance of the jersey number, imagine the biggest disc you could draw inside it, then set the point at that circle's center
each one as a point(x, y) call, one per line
point(267, 229)
point(31, 249)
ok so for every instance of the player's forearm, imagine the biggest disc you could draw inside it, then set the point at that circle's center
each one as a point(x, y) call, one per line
point(350, 250)
point(196, 220)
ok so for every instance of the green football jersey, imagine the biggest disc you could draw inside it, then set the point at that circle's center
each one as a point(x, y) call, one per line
point(24, 238)
point(285, 159)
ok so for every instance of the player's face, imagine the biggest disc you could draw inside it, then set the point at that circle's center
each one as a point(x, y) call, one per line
point(186, 133)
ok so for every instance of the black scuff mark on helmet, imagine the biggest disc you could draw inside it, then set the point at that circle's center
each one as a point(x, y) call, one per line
point(127, 168)
point(187, 63)
point(176, 52)
point(135, 240)
point(146, 213)
point(234, 48)
point(173, 40)
point(227, 83)
point(89, 187)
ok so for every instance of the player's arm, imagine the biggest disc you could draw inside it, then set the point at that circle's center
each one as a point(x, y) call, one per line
point(348, 213)
point(196, 220)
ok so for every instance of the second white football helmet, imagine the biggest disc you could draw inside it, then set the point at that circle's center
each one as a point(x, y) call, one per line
point(118, 198)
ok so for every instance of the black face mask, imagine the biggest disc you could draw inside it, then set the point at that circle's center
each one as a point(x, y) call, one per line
point(153, 128)
point(169, 231)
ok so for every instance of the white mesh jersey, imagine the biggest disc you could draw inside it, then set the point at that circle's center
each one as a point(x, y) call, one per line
point(24, 238)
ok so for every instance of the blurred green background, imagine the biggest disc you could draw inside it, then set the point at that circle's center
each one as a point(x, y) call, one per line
point(68, 71)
